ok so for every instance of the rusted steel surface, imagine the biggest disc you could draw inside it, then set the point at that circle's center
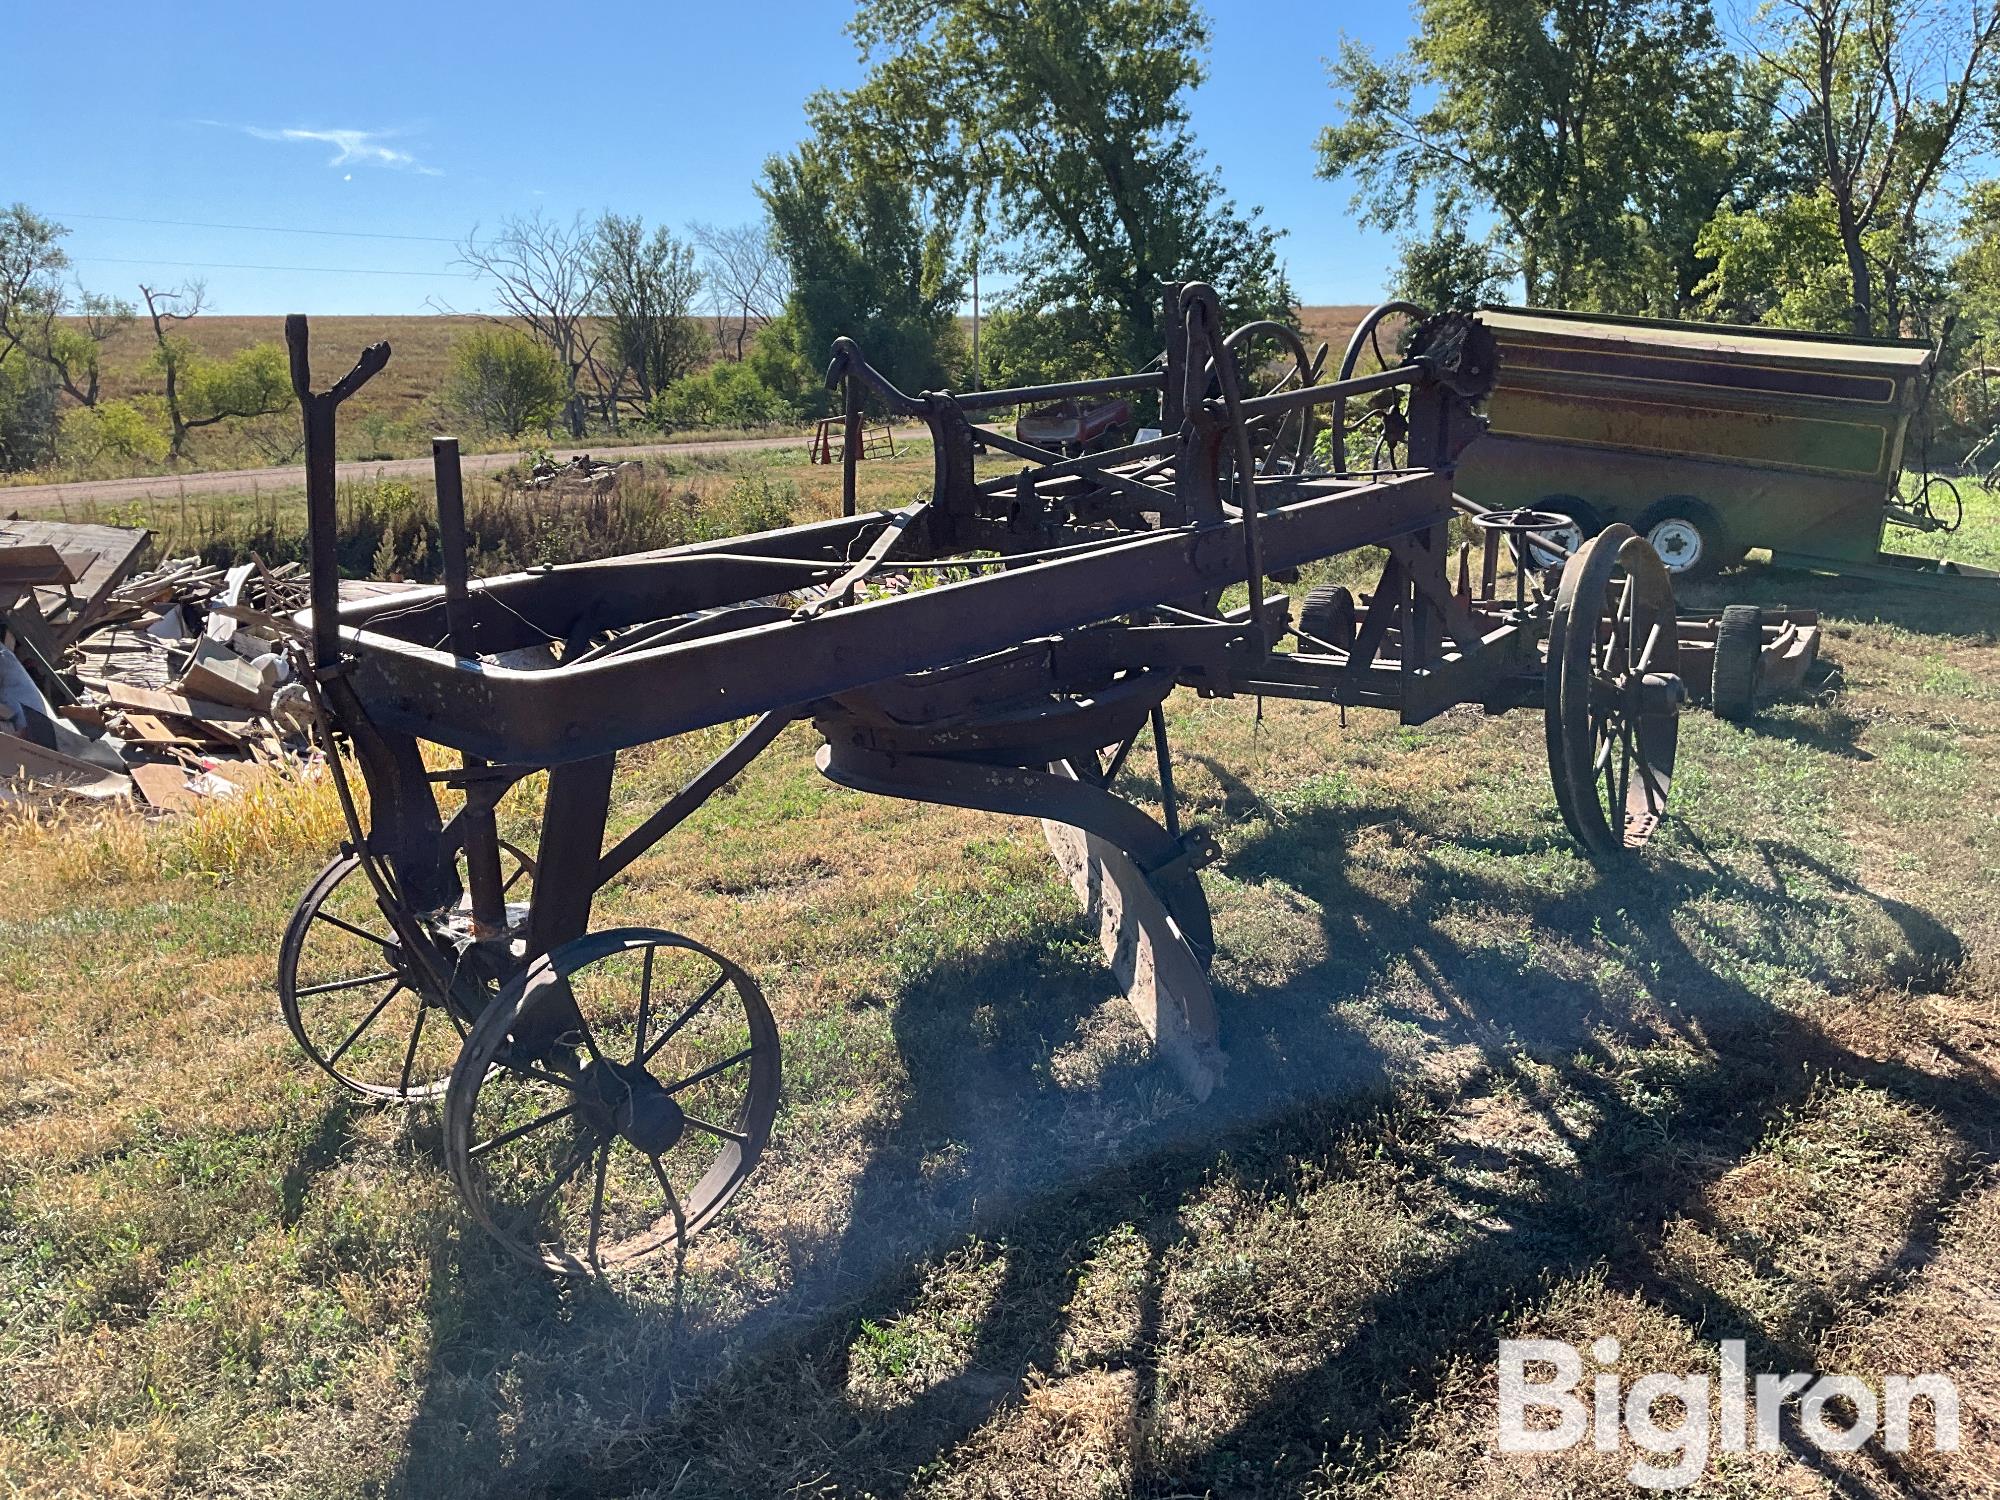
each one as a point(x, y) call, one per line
point(1073, 596)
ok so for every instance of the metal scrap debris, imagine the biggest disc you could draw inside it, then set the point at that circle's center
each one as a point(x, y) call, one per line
point(581, 473)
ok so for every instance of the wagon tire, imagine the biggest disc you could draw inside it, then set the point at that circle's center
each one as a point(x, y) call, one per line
point(1689, 537)
point(1328, 615)
point(1739, 659)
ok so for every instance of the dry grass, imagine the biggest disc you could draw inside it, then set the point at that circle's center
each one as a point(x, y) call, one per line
point(1746, 1090)
point(387, 527)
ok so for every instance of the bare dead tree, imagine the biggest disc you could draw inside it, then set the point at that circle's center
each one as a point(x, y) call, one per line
point(746, 277)
point(168, 308)
point(544, 275)
point(1894, 95)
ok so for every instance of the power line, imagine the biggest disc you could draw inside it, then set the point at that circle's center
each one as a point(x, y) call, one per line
point(343, 234)
point(219, 265)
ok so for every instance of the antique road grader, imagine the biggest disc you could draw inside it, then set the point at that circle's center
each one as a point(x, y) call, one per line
point(606, 1092)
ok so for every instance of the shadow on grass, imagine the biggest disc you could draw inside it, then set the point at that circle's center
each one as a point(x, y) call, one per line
point(1045, 1172)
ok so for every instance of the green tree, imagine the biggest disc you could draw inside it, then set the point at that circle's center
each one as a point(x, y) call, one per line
point(1598, 136)
point(1448, 269)
point(1976, 269)
point(31, 260)
point(197, 391)
point(1778, 263)
point(726, 394)
point(110, 436)
point(865, 261)
point(1878, 103)
point(544, 276)
point(28, 414)
point(504, 381)
point(1060, 128)
point(647, 284)
point(40, 319)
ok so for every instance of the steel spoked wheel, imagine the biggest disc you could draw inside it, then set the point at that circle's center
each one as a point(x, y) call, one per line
point(1580, 523)
point(1939, 505)
point(1282, 444)
point(613, 1101)
point(1613, 693)
point(359, 1004)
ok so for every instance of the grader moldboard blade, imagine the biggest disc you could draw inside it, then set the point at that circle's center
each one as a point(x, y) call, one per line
point(606, 1093)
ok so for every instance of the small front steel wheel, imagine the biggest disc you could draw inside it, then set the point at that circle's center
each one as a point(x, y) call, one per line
point(359, 1004)
point(612, 1101)
point(1939, 506)
point(1580, 523)
point(1613, 693)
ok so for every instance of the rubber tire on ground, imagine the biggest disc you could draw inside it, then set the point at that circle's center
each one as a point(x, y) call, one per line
point(1328, 615)
point(1588, 524)
point(1716, 543)
point(1739, 660)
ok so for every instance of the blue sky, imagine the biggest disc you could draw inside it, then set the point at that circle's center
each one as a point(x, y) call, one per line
point(422, 119)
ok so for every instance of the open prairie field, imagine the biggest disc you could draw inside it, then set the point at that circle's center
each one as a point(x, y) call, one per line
point(1331, 326)
point(1747, 1088)
point(413, 376)
point(395, 414)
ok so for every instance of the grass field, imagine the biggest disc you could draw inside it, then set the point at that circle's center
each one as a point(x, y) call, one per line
point(1744, 1089)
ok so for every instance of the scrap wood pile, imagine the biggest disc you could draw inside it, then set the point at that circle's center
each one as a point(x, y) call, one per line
point(166, 686)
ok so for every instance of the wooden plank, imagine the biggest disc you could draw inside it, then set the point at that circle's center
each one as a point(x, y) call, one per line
point(25, 620)
point(219, 673)
point(165, 787)
point(118, 551)
point(233, 724)
point(89, 719)
point(38, 562)
point(156, 731)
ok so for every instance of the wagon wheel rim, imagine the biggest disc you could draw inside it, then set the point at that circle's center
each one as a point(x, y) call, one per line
point(1679, 543)
point(613, 1101)
point(360, 1005)
point(1269, 436)
point(1937, 493)
point(1568, 537)
point(1613, 694)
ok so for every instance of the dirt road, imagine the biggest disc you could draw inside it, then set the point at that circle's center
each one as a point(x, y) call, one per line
point(29, 498)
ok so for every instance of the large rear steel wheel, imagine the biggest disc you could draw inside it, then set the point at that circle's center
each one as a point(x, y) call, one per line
point(1613, 693)
point(612, 1101)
